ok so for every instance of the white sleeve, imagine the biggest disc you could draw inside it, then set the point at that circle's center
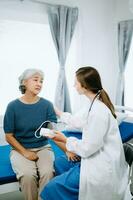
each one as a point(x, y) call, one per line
point(93, 139)
point(73, 121)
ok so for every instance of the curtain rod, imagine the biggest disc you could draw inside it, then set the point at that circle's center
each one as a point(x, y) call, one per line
point(45, 3)
point(40, 2)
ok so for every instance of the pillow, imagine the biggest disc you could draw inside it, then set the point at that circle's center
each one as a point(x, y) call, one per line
point(121, 116)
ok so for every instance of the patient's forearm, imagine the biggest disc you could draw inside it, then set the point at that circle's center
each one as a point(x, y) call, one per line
point(13, 142)
point(61, 145)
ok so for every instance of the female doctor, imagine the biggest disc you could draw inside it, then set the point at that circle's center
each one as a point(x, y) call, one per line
point(103, 172)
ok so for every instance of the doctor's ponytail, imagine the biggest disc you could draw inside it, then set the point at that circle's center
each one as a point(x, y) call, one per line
point(103, 96)
point(90, 79)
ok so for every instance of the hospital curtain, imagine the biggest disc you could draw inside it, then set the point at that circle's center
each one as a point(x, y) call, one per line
point(125, 31)
point(62, 21)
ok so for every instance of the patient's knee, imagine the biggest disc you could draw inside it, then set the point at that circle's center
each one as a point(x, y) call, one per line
point(28, 176)
point(28, 182)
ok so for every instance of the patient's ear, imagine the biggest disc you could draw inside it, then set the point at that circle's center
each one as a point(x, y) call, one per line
point(22, 88)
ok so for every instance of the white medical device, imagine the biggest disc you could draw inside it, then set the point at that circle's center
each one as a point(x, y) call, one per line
point(46, 132)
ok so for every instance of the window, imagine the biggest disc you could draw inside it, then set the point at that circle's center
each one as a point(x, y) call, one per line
point(28, 45)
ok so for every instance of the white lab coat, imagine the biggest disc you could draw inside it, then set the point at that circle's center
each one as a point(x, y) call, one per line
point(104, 171)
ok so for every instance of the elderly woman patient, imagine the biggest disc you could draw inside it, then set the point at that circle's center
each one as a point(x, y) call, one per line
point(31, 157)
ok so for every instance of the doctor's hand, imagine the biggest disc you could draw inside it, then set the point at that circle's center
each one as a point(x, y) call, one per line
point(30, 155)
point(59, 137)
point(57, 111)
point(72, 156)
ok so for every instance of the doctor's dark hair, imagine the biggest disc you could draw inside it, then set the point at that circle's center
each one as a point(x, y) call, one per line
point(89, 78)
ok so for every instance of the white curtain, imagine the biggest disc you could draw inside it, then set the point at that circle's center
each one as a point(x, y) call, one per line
point(125, 31)
point(62, 21)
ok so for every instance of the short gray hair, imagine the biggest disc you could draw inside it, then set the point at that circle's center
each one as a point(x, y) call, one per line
point(27, 74)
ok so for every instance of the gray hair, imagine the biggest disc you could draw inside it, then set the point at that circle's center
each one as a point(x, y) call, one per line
point(27, 74)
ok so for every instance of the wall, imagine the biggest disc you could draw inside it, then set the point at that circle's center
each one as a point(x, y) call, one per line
point(123, 11)
point(97, 41)
point(22, 11)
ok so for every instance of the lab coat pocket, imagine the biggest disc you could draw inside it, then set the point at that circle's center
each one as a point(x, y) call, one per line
point(102, 171)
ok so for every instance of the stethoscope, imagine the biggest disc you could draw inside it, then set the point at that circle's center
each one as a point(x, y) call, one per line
point(96, 96)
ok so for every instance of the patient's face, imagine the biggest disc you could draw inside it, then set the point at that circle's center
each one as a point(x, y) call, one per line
point(34, 84)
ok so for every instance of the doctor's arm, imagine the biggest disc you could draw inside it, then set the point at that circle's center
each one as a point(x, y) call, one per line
point(93, 139)
point(72, 120)
point(60, 140)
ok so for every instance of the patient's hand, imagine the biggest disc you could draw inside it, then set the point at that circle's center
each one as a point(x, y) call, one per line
point(30, 155)
point(59, 137)
point(72, 156)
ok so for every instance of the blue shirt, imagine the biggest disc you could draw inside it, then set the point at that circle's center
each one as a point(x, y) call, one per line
point(24, 119)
